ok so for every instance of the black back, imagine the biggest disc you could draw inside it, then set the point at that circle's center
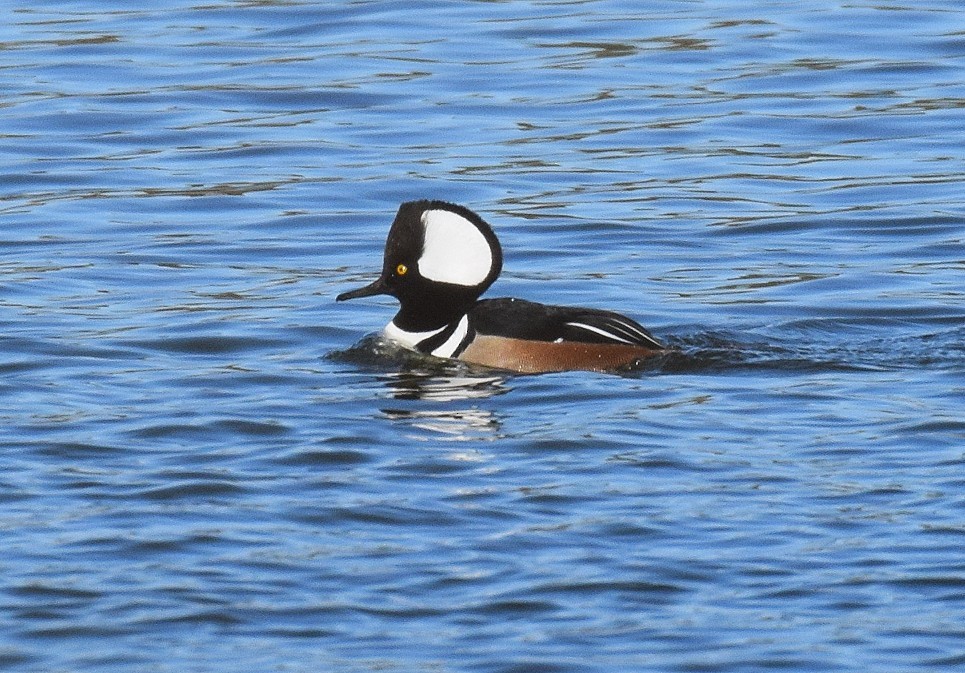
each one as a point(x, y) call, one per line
point(521, 319)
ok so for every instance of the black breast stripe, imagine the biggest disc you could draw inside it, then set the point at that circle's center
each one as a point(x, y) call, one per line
point(436, 340)
point(466, 340)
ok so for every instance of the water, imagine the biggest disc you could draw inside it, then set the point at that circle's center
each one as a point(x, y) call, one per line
point(208, 465)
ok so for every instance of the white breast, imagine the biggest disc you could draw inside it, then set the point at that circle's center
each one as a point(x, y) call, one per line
point(408, 339)
point(411, 340)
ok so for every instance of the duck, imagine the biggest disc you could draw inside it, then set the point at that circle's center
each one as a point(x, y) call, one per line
point(441, 257)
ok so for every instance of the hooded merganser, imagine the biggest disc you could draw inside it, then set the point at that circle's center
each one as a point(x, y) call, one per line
point(440, 257)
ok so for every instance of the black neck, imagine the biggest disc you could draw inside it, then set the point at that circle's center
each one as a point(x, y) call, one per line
point(418, 319)
point(433, 307)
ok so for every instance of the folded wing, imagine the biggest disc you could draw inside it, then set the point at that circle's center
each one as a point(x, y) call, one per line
point(520, 319)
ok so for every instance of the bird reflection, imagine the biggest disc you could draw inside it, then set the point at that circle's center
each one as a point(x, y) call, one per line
point(463, 423)
point(444, 388)
point(431, 393)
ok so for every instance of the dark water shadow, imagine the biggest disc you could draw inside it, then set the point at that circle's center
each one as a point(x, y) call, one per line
point(824, 345)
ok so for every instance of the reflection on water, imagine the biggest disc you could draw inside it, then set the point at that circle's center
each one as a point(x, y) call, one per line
point(435, 384)
point(445, 388)
point(464, 424)
point(456, 424)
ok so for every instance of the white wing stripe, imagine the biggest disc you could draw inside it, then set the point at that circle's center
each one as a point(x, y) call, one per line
point(633, 331)
point(619, 331)
point(622, 328)
point(640, 333)
point(600, 331)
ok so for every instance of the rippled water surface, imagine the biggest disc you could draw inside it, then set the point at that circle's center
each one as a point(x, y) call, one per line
point(208, 465)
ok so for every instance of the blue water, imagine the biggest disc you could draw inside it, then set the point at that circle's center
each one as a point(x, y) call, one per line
point(206, 464)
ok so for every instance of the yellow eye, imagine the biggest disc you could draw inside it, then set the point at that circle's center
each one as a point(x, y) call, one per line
point(402, 269)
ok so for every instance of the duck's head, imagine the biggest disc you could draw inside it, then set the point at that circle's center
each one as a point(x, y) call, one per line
point(439, 258)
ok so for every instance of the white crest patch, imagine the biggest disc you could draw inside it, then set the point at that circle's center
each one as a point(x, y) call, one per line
point(455, 250)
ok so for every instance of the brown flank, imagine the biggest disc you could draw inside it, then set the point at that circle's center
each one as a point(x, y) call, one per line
point(533, 357)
